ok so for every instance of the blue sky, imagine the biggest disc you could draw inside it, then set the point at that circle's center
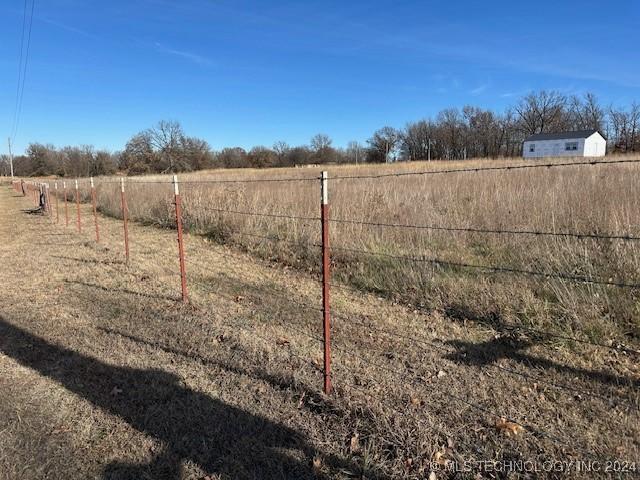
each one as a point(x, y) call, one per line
point(252, 72)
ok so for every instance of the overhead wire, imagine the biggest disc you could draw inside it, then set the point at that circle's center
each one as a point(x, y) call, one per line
point(16, 124)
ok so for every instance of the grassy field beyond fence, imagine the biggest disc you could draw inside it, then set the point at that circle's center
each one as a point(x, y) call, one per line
point(441, 273)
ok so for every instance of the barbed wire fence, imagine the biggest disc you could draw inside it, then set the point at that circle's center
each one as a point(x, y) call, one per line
point(64, 194)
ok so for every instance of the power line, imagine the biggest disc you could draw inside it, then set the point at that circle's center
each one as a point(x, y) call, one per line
point(15, 108)
point(24, 69)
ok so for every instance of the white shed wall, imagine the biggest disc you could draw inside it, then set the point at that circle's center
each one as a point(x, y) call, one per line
point(553, 148)
point(595, 146)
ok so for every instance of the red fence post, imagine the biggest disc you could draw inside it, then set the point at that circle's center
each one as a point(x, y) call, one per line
point(183, 272)
point(55, 186)
point(123, 204)
point(48, 200)
point(66, 205)
point(95, 211)
point(78, 207)
point(326, 277)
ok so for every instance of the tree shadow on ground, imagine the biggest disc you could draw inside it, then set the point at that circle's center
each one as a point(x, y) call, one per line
point(281, 381)
point(87, 260)
point(496, 349)
point(122, 290)
point(222, 439)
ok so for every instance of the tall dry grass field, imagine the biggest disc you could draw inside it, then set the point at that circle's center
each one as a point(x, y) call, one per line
point(592, 199)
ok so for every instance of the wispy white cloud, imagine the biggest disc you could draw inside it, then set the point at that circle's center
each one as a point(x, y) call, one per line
point(68, 28)
point(192, 57)
point(479, 89)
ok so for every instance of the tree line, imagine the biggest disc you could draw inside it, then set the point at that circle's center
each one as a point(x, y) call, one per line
point(470, 132)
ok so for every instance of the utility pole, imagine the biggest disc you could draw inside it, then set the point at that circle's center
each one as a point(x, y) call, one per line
point(10, 157)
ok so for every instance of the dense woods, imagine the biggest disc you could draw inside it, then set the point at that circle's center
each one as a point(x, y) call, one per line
point(454, 134)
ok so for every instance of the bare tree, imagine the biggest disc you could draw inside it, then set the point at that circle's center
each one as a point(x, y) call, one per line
point(354, 151)
point(541, 112)
point(382, 144)
point(260, 157)
point(281, 148)
point(417, 140)
point(321, 146)
point(586, 113)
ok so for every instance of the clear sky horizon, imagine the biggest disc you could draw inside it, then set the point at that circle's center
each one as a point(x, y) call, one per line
point(245, 73)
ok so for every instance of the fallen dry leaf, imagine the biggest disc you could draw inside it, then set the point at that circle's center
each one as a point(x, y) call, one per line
point(282, 341)
point(432, 476)
point(317, 463)
point(354, 445)
point(508, 428)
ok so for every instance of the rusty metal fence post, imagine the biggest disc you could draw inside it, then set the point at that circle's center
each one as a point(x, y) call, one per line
point(78, 207)
point(47, 198)
point(95, 210)
point(183, 272)
point(55, 186)
point(123, 206)
point(326, 280)
point(66, 205)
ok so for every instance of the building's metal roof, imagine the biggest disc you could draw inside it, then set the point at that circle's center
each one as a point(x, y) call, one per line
point(562, 135)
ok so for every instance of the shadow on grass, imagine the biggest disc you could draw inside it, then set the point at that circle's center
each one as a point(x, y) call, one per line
point(88, 260)
point(314, 401)
point(33, 211)
point(222, 439)
point(494, 350)
point(122, 290)
point(57, 245)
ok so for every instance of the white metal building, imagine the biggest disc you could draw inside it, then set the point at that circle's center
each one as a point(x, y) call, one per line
point(581, 143)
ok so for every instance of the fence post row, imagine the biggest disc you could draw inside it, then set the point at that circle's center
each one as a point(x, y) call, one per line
point(326, 277)
point(66, 206)
point(95, 212)
point(55, 186)
point(123, 206)
point(78, 207)
point(183, 273)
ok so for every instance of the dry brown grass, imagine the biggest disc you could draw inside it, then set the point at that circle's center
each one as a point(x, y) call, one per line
point(105, 375)
point(586, 199)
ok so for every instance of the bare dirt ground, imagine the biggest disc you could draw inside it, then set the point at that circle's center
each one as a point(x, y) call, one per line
point(105, 374)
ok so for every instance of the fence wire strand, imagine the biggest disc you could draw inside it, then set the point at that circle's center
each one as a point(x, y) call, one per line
point(492, 268)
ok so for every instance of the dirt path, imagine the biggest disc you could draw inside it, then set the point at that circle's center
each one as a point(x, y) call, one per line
point(104, 374)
